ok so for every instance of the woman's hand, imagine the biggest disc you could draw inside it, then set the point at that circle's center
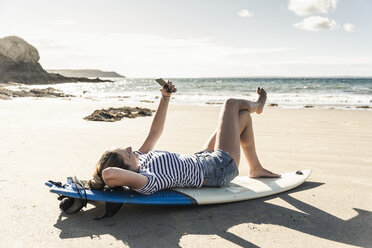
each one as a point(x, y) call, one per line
point(168, 89)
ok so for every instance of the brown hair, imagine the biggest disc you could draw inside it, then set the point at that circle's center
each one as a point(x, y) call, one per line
point(108, 159)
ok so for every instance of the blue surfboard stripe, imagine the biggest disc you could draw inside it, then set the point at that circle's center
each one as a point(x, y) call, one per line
point(164, 197)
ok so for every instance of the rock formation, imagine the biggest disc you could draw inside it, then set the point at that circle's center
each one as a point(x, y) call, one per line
point(19, 63)
point(6, 94)
point(18, 50)
point(116, 114)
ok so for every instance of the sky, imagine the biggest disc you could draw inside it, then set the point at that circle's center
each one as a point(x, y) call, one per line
point(205, 38)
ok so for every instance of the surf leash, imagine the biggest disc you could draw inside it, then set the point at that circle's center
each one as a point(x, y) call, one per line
point(77, 182)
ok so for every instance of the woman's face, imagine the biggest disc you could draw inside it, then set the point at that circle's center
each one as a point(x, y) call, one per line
point(130, 158)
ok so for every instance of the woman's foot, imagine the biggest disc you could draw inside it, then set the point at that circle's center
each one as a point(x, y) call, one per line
point(261, 172)
point(261, 100)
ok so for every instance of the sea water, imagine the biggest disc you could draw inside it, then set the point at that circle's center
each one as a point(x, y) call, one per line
point(338, 93)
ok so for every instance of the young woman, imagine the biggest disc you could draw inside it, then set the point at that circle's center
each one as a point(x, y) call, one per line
point(147, 170)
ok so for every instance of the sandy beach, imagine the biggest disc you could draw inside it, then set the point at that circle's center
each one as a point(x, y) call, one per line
point(44, 139)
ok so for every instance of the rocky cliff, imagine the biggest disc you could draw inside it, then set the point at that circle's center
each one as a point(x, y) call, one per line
point(19, 62)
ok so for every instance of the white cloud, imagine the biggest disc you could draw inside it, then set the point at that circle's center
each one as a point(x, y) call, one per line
point(309, 7)
point(245, 13)
point(142, 55)
point(317, 23)
point(349, 27)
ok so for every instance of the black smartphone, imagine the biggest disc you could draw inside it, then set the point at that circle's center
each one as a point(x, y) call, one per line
point(163, 84)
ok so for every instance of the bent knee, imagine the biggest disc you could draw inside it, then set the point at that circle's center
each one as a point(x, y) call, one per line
point(231, 102)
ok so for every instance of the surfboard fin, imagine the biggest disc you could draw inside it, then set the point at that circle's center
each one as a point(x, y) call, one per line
point(70, 205)
point(111, 208)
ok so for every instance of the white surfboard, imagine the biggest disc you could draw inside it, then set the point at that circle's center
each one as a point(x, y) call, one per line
point(245, 188)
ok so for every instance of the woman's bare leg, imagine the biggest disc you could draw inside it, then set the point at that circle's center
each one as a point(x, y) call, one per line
point(249, 148)
point(254, 107)
point(228, 129)
point(209, 145)
point(245, 133)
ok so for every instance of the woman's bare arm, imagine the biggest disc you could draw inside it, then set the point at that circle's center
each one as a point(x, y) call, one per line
point(114, 177)
point(158, 122)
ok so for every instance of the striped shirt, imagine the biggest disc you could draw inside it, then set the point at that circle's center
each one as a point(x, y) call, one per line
point(167, 170)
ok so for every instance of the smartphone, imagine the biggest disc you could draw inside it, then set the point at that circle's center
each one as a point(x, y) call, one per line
point(163, 84)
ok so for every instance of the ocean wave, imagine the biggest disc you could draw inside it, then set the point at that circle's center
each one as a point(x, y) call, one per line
point(347, 93)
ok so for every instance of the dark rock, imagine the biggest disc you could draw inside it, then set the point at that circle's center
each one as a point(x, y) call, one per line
point(116, 114)
point(6, 94)
point(48, 92)
point(22, 93)
point(364, 106)
point(19, 63)
point(273, 105)
point(308, 106)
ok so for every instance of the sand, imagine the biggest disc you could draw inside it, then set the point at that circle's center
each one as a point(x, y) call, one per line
point(44, 139)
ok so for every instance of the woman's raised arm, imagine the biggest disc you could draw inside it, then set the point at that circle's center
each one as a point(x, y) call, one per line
point(158, 122)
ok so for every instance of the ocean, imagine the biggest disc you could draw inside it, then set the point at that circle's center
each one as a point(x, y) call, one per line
point(337, 93)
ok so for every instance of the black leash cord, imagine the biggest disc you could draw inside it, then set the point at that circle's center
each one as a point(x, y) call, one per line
point(77, 182)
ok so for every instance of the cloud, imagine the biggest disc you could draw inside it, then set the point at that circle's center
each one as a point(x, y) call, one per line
point(317, 23)
point(349, 27)
point(309, 7)
point(245, 13)
point(144, 55)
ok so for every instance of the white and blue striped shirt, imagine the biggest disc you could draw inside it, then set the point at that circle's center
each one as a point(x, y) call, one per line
point(167, 170)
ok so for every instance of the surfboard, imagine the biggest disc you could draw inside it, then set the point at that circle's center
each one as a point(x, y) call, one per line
point(240, 189)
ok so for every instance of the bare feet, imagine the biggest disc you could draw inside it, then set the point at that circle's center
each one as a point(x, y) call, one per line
point(261, 99)
point(261, 172)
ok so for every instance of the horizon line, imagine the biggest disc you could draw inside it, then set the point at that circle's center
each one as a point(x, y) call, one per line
point(252, 76)
point(257, 77)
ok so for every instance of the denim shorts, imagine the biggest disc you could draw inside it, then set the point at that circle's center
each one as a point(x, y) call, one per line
point(218, 167)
